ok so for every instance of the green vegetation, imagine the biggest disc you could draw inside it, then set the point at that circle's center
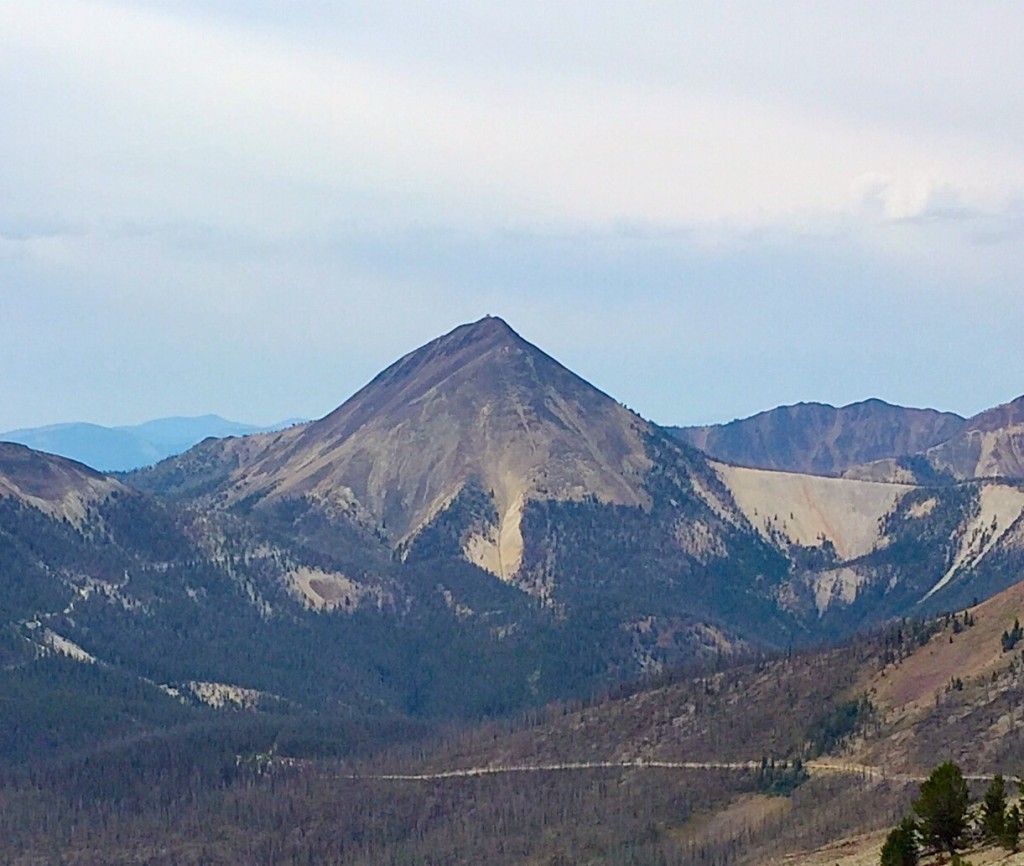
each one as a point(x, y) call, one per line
point(1012, 827)
point(946, 822)
point(834, 728)
point(1000, 825)
point(942, 808)
point(900, 848)
point(993, 811)
point(1011, 638)
point(780, 779)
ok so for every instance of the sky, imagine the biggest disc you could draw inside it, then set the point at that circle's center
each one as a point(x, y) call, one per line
point(706, 209)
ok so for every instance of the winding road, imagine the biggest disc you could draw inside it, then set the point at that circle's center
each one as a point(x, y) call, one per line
point(823, 767)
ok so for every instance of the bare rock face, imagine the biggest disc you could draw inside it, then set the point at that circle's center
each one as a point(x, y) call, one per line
point(819, 439)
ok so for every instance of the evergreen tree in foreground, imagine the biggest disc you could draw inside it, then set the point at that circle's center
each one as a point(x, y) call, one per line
point(942, 808)
point(1012, 826)
point(900, 848)
point(993, 811)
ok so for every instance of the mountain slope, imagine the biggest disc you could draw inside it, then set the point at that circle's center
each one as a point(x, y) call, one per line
point(863, 551)
point(480, 447)
point(208, 603)
point(57, 486)
point(698, 768)
point(820, 439)
point(478, 407)
point(991, 445)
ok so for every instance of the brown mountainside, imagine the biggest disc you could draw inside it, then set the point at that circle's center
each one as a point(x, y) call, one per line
point(478, 406)
point(820, 439)
point(55, 485)
point(991, 445)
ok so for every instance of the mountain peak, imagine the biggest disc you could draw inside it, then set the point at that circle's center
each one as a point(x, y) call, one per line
point(488, 325)
point(478, 408)
point(476, 337)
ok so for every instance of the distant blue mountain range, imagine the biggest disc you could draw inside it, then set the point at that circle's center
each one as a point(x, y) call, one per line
point(118, 449)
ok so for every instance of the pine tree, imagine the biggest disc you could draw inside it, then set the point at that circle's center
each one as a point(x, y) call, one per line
point(993, 810)
point(900, 848)
point(1012, 826)
point(942, 807)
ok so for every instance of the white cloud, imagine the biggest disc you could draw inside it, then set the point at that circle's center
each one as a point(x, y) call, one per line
point(194, 182)
point(130, 114)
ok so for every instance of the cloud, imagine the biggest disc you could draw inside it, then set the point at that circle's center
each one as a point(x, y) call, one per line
point(183, 114)
point(205, 204)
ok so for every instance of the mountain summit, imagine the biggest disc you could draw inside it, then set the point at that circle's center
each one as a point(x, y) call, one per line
point(478, 408)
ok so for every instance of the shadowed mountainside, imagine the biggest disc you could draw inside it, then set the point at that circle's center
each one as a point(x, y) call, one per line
point(820, 439)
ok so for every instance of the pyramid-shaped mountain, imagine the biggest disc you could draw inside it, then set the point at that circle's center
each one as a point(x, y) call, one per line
point(477, 408)
point(480, 447)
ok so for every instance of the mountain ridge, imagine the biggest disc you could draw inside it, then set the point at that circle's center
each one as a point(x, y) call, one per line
point(821, 439)
point(991, 445)
point(477, 444)
point(478, 491)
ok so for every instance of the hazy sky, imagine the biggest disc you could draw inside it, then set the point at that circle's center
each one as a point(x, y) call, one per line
point(706, 209)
